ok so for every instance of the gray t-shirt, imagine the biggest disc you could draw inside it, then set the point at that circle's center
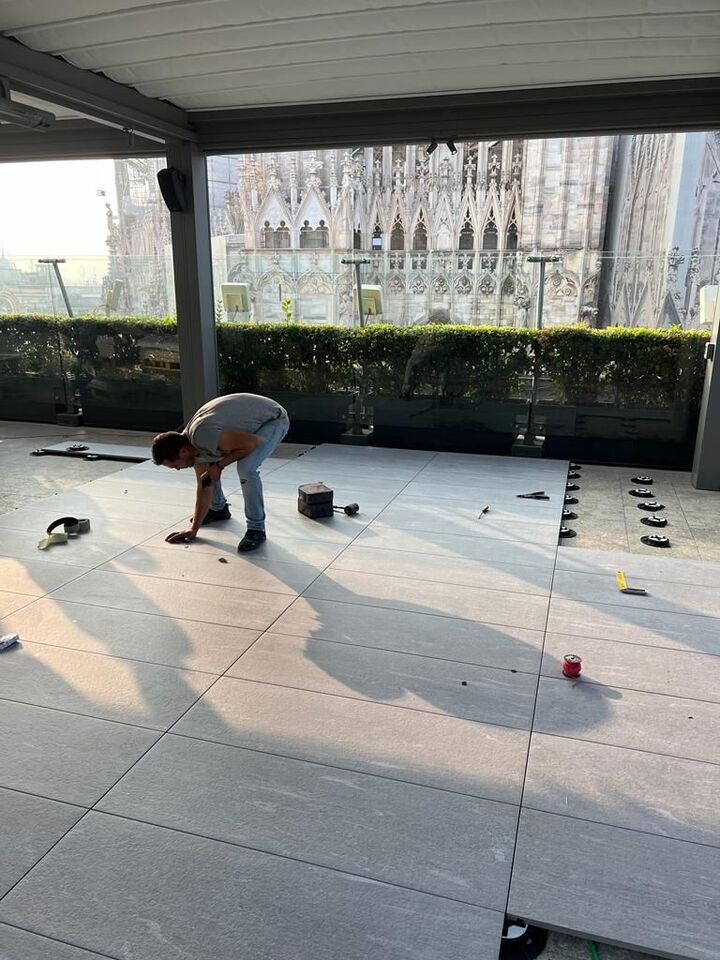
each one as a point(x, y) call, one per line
point(236, 411)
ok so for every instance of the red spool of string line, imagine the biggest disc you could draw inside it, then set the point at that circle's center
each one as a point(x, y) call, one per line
point(571, 666)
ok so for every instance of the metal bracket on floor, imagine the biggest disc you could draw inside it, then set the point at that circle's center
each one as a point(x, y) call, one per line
point(85, 454)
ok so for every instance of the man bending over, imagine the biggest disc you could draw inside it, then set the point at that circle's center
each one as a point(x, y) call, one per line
point(241, 428)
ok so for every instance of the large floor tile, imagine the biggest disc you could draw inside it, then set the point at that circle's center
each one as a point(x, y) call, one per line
point(249, 609)
point(630, 888)
point(287, 522)
point(65, 756)
point(516, 578)
point(428, 518)
point(624, 788)
point(421, 683)
point(35, 577)
point(16, 944)
point(498, 488)
point(81, 551)
point(155, 491)
point(221, 540)
point(99, 686)
point(29, 826)
point(665, 595)
point(626, 718)
point(676, 631)
point(639, 568)
point(422, 596)
point(200, 898)
point(512, 648)
point(136, 636)
point(460, 755)
point(457, 547)
point(234, 572)
point(353, 822)
point(83, 502)
point(676, 673)
point(13, 601)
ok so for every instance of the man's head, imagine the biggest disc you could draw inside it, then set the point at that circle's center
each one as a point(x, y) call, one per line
point(174, 450)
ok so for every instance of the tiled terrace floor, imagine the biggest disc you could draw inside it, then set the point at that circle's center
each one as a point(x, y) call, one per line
point(356, 743)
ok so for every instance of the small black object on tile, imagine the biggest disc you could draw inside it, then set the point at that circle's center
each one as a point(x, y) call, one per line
point(641, 492)
point(644, 481)
point(651, 506)
point(571, 486)
point(567, 532)
point(570, 501)
point(655, 540)
point(521, 941)
point(653, 521)
point(569, 515)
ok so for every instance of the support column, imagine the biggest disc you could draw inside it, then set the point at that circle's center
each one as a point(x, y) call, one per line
point(706, 466)
point(194, 297)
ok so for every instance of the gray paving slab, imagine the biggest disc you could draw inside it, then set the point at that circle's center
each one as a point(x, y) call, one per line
point(457, 547)
point(221, 540)
point(201, 898)
point(516, 578)
point(624, 788)
point(676, 673)
point(191, 567)
point(483, 760)
point(342, 472)
point(379, 455)
point(672, 726)
point(428, 518)
point(486, 694)
point(513, 648)
point(133, 491)
point(248, 609)
point(658, 628)
point(353, 822)
point(83, 551)
point(29, 826)
point(16, 944)
point(128, 691)
point(501, 488)
point(136, 636)
point(13, 601)
point(35, 577)
point(285, 521)
point(617, 885)
point(638, 568)
point(64, 756)
point(665, 595)
point(501, 507)
point(423, 596)
point(114, 531)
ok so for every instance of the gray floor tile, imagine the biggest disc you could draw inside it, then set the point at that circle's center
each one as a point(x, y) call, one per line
point(422, 596)
point(457, 547)
point(516, 578)
point(18, 944)
point(430, 636)
point(632, 624)
point(137, 636)
point(478, 693)
point(82, 551)
point(35, 577)
point(353, 822)
point(629, 888)
point(501, 506)
point(13, 601)
point(65, 756)
point(236, 572)
point(221, 540)
point(640, 568)
point(92, 886)
point(661, 594)
point(99, 686)
point(402, 517)
point(287, 522)
point(155, 491)
point(624, 788)
point(626, 718)
point(637, 667)
point(28, 828)
point(473, 490)
point(248, 609)
point(459, 755)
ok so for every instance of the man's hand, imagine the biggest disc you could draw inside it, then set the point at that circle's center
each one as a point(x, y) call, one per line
point(213, 471)
point(181, 536)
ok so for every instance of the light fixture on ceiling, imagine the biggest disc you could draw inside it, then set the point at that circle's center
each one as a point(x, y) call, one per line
point(432, 147)
point(451, 147)
point(20, 113)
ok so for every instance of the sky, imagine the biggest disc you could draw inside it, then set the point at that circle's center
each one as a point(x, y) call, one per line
point(53, 208)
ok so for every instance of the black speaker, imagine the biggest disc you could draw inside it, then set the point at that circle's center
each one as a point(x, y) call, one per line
point(172, 186)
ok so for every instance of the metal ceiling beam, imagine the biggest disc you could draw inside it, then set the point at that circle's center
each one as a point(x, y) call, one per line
point(52, 79)
point(597, 109)
point(73, 140)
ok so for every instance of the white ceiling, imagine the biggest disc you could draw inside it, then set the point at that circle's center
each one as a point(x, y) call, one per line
point(207, 54)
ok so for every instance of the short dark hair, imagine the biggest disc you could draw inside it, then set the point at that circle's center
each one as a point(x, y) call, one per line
point(167, 446)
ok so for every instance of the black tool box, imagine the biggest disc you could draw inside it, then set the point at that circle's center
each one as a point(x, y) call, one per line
point(315, 500)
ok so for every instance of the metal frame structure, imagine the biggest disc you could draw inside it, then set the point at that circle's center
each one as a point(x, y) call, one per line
point(118, 121)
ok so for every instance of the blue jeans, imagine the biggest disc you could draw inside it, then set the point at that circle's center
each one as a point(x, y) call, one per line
point(271, 434)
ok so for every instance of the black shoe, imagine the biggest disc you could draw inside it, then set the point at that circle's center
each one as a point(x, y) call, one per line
point(251, 541)
point(213, 516)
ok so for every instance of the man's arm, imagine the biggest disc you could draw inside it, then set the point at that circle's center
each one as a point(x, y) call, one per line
point(203, 499)
point(236, 445)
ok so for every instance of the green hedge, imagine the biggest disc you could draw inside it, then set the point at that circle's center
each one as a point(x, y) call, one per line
point(619, 366)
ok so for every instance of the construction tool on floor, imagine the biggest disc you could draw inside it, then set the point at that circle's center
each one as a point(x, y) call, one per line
point(571, 666)
point(535, 495)
point(483, 510)
point(86, 454)
point(72, 527)
point(9, 640)
point(654, 521)
point(315, 500)
point(655, 540)
point(624, 588)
